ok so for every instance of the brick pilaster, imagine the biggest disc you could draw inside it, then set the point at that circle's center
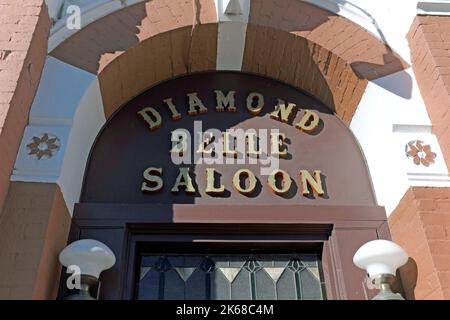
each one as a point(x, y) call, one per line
point(24, 27)
point(429, 40)
point(421, 225)
point(34, 227)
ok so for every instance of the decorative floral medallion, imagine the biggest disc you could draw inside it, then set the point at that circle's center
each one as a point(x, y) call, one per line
point(45, 145)
point(420, 153)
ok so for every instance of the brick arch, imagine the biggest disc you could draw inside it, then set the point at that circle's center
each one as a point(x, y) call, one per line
point(313, 49)
point(316, 50)
point(158, 58)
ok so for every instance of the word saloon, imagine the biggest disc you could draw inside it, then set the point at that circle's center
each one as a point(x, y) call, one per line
point(244, 182)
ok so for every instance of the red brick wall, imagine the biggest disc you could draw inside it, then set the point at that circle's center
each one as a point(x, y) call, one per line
point(34, 227)
point(421, 225)
point(24, 27)
point(133, 25)
point(176, 38)
point(429, 39)
point(325, 54)
point(422, 220)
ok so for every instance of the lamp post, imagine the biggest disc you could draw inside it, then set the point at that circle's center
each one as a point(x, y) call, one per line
point(91, 257)
point(381, 259)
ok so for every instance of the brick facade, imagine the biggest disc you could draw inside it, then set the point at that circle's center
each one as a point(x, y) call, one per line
point(23, 47)
point(127, 28)
point(429, 40)
point(313, 51)
point(190, 52)
point(26, 209)
point(297, 61)
point(153, 41)
point(34, 227)
point(421, 225)
point(184, 39)
point(421, 222)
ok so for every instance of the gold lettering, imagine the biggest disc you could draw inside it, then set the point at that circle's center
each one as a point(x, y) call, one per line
point(277, 143)
point(184, 180)
point(251, 99)
point(311, 117)
point(179, 143)
point(152, 117)
point(247, 175)
point(308, 181)
point(205, 141)
point(173, 110)
point(152, 175)
point(285, 182)
point(225, 101)
point(281, 109)
point(252, 145)
point(210, 188)
point(195, 102)
point(227, 151)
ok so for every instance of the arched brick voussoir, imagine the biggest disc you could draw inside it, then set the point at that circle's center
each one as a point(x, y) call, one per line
point(158, 58)
point(290, 58)
point(96, 45)
point(306, 65)
point(361, 50)
point(316, 50)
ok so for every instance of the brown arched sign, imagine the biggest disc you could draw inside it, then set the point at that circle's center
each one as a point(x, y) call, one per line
point(230, 160)
point(272, 145)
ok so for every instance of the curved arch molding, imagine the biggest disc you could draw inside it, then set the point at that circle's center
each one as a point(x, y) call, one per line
point(316, 50)
point(115, 58)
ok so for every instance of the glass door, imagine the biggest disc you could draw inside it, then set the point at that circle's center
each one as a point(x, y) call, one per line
point(261, 275)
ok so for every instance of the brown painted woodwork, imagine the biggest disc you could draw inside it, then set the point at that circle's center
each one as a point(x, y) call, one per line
point(340, 230)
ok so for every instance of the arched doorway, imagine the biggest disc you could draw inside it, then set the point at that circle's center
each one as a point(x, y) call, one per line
point(239, 228)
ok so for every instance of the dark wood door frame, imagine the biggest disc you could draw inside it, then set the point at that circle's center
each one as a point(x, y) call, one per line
point(250, 235)
point(340, 230)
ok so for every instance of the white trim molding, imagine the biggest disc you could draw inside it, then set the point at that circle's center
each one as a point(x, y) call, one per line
point(65, 118)
point(434, 8)
point(232, 33)
point(43, 169)
point(390, 117)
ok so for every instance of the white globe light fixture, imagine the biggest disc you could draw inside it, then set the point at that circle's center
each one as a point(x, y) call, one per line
point(91, 257)
point(381, 259)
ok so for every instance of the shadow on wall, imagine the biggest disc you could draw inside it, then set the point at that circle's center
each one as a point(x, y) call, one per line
point(402, 84)
point(399, 83)
point(408, 275)
point(99, 43)
point(309, 60)
point(293, 58)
